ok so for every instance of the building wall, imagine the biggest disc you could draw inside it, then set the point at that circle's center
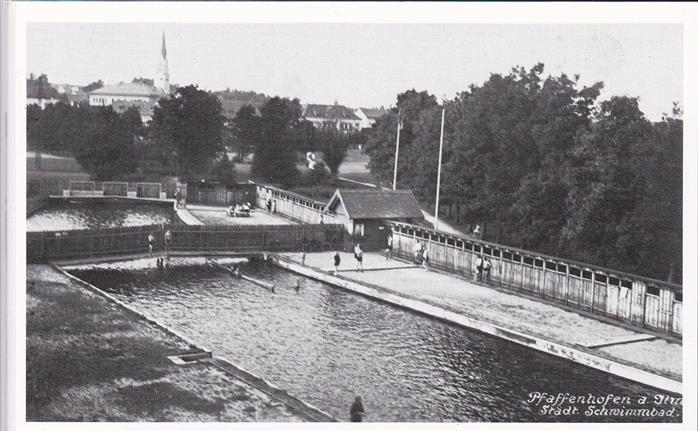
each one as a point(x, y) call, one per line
point(109, 99)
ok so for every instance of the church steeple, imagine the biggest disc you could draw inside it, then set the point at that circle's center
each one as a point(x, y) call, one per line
point(162, 78)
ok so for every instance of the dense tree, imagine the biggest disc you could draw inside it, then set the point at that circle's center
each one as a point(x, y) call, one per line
point(281, 130)
point(542, 165)
point(604, 185)
point(245, 130)
point(223, 170)
point(104, 143)
point(653, 234)
point(334, 146)
point(381, 142)
point(190, 123)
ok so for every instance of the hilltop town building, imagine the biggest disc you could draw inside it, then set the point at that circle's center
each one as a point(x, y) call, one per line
point(328, 117)
point(140, 95)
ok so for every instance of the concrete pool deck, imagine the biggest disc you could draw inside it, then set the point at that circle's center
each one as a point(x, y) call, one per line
point(621, 351)
point(89, 359)
point(217, 215)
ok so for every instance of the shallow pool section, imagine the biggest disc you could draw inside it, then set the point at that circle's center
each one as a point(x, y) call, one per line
point(68, 215)
point(327, 345)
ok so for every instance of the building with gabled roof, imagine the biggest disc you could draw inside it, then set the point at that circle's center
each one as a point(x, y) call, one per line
point(364, 212)
point(335, 116)
point(138, 93)
point(369, 116)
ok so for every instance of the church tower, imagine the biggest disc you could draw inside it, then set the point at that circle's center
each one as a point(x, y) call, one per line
point(162, 78)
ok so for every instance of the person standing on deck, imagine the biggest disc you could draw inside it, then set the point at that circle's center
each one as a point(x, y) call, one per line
point(417, 251)
point(151, 241)
point(487, 268)
point(425, 258)
point(359, 256)
point(268, 205)
point(168, 242)
point(356, 412)
point(337, 261)
point(389, 248)
point(478, 268)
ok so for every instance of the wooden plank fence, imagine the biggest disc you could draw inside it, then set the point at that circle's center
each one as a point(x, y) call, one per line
point(293, 206)
point(630, 298)
point(75, 244)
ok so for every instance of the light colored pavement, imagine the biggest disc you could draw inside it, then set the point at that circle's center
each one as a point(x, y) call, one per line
point(506, 309)
point(217, 215)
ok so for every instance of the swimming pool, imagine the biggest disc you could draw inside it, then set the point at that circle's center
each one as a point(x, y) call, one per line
point(326, 345)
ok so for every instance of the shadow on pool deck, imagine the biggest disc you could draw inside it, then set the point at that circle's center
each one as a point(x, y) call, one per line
point(89, 360)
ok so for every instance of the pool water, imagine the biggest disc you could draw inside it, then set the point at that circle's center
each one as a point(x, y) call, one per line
point(65, 215)
point(326, 345)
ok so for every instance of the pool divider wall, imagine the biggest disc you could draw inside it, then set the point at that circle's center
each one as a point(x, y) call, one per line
point(563, 351)
point(282, 395)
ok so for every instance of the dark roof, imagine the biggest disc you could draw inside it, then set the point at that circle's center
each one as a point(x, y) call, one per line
point(331, 112)
point(379, 204)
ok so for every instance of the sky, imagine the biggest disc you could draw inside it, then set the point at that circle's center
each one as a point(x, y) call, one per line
point(364, 65)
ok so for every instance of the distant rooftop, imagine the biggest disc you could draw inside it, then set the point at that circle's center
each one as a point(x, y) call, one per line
point(374, 113)
point(330, 112)
point(129, 89)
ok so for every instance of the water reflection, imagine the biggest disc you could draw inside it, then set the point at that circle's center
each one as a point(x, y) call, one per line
point(326, 345)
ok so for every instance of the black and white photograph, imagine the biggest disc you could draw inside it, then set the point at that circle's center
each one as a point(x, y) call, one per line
point(322, 221)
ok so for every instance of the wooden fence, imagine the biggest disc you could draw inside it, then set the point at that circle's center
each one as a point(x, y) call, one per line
point(219, 194)
point(293, 206)
point(75, 244)
point(637, 300)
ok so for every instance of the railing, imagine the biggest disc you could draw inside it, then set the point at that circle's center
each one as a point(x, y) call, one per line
point(76, 244)
point(634, 299)
point(293, 206)
point(113, 188)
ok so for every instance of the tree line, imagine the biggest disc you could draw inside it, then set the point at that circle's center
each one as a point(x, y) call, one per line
point(188, 137)
point(542, 164)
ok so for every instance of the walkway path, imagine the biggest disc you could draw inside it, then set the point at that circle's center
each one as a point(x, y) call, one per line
point(218, 215)
point(509, 310)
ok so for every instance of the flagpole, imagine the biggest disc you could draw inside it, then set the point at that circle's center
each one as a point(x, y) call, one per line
point(438, 175)
point(397, 150)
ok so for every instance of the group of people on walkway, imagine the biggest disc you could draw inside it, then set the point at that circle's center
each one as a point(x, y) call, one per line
point(358, 256)
point(483, 268)
point(151, 246)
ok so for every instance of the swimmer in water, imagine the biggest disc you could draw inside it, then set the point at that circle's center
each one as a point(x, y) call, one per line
point(298, 285)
